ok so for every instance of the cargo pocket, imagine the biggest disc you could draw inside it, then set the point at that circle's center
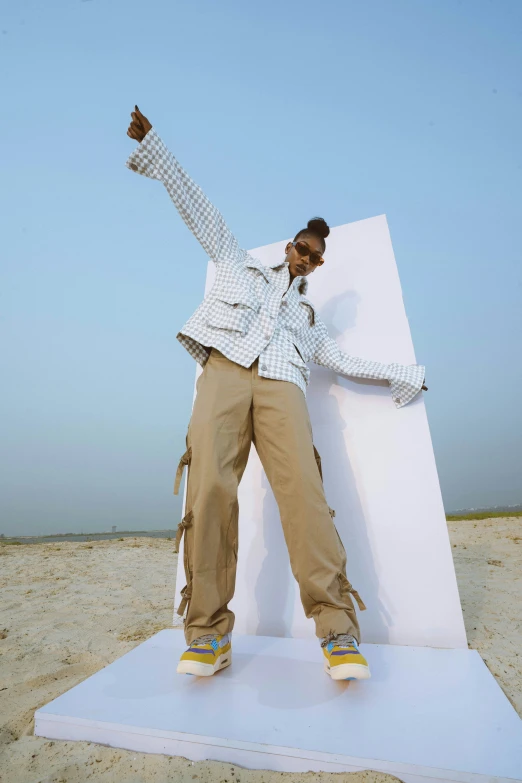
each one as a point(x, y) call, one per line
point(232, 311)
point(347, 587)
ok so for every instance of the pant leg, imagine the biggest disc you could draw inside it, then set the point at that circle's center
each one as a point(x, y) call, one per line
point(218, 440)
point(282, 435)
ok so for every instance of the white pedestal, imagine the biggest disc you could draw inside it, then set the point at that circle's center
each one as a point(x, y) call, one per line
point(434, 714)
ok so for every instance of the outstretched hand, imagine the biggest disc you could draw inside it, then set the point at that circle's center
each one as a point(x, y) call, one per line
point(139, 126)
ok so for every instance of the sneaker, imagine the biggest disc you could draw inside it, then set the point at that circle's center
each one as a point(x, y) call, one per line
point(206, 655)
point(342, 658)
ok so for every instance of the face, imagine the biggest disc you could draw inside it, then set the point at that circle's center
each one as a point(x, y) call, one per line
point(300, 266)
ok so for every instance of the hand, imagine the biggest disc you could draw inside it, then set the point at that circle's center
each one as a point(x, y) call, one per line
point(424, 387)
point(139, 126)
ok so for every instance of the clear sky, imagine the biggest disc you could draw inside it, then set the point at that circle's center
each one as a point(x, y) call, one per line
point(280, 111)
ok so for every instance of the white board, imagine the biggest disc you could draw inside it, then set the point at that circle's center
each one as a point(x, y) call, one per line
point(425, 716)
point(378, 465)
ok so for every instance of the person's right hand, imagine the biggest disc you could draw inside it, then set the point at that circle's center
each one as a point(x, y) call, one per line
point(139, 126)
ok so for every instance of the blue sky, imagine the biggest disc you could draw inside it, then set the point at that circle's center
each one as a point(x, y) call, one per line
point(280, 111)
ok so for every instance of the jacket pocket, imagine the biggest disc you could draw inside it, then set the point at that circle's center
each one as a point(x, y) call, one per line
point(295, 357)
point(294, 352)
point(301, 344)
point(232, 311)
point(299, 349)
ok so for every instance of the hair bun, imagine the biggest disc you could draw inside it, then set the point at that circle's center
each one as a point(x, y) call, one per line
point(319, 226)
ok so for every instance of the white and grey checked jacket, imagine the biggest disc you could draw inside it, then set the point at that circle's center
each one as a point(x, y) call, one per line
point(250, 311)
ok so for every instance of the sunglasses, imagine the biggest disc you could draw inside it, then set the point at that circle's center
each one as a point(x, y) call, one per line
point(302, 248)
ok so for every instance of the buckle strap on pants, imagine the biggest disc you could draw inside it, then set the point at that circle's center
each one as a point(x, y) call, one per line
point(183, 525)
point(185, 460)
point(187, 595)
point(346, 584)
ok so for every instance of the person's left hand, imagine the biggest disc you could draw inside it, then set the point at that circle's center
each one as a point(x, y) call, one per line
point(139, 126)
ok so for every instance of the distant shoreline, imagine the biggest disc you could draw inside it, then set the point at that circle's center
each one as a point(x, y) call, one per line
point(172, 533)
point(118, 534)
point(483, 515)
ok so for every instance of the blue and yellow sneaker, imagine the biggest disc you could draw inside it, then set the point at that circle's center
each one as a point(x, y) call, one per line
point(342, 659)
point(206, 655)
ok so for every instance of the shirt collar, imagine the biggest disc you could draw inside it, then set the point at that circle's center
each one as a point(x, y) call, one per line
point(299, 284)
point(257, 264)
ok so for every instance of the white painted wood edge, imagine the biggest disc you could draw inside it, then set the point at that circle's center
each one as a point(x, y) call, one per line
point(195, 747)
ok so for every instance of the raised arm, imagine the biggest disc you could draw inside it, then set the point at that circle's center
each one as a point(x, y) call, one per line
point(406, 380)
point(153, 159)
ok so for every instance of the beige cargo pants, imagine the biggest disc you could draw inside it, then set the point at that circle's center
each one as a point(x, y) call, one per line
point(233, 408)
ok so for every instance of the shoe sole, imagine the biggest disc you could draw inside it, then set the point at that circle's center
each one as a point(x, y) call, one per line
point(205, 669)
point(348, 671)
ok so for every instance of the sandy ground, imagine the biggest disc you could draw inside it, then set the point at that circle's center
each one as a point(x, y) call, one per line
point(69, 609)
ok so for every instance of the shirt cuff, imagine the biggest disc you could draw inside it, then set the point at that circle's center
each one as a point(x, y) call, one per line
point(143, 159)
point(406, 380)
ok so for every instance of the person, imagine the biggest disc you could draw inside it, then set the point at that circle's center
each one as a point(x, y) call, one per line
point(253, 334)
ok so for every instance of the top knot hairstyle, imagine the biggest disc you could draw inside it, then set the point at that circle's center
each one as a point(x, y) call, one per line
point(317, 226)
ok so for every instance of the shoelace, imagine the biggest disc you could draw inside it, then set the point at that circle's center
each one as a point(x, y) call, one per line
point(201, 640)
point(340, 639)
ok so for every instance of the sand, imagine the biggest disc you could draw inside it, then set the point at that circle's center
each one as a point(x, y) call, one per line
point(69, 609)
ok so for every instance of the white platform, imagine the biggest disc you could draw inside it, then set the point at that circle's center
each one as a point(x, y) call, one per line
point(434, 714)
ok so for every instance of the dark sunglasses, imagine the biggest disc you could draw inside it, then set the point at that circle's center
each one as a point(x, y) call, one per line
point(302, 248)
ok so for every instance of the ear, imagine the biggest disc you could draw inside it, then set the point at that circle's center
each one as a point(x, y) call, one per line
point(288, 248)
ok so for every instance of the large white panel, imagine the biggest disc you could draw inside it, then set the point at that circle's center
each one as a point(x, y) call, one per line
point(378, 465)
point(426, 715)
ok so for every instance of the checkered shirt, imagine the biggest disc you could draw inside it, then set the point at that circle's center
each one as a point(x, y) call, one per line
point(252, 310)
